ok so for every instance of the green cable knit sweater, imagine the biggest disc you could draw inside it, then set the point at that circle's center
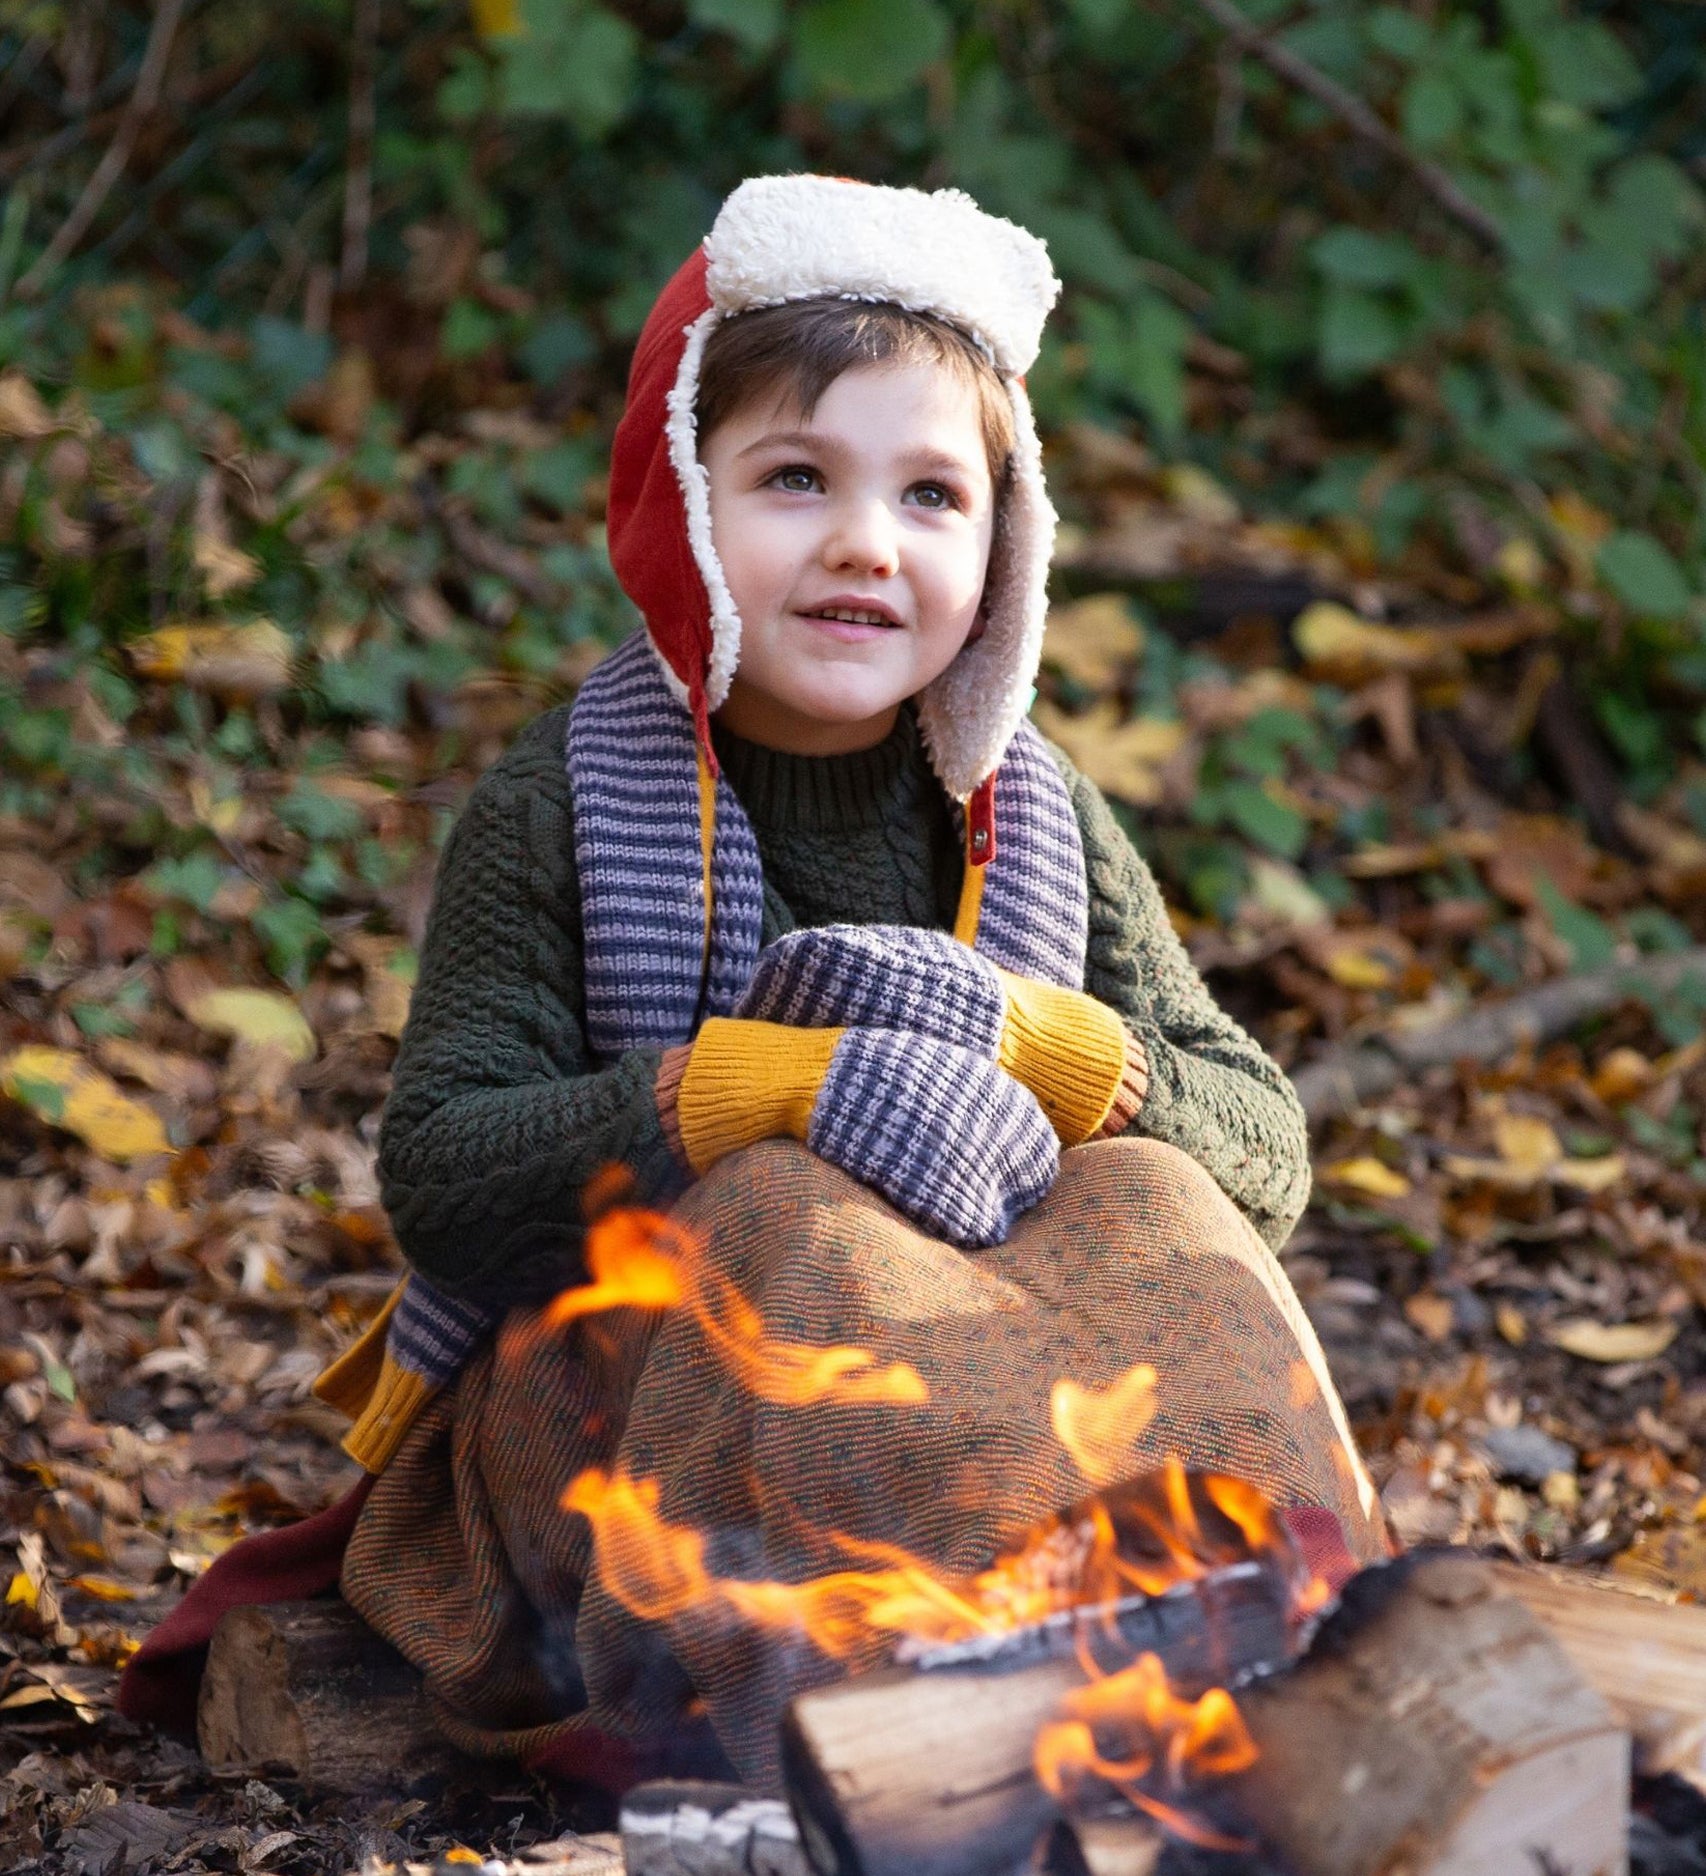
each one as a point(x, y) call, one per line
point(497, 1117)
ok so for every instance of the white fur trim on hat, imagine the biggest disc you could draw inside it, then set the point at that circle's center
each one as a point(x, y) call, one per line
point(784, 238)
point(968, 715)
point(695, 480)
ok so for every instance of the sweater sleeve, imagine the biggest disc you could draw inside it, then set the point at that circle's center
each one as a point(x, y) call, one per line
point(1213, 1091)
point(497, 1117)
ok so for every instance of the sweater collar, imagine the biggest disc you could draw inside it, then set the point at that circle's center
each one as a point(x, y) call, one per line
point(817, 794)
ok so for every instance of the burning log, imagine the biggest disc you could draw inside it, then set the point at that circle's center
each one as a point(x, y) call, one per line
point(927, 1769)
point(1433, 1726)
point(308, 1689)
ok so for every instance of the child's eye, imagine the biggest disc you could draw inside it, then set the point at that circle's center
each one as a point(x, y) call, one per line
point(933, 495)
point(797, 479)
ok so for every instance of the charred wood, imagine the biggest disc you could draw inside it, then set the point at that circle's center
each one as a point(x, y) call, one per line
point(683, 1827)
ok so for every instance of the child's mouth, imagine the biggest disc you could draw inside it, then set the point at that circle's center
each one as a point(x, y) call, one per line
point(851, 622)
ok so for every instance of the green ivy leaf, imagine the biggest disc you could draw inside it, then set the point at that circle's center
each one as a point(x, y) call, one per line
point(194, 880)
point(1432, 110)
point(1358, 333)
point(1361, 259)
point(319, 816)
point(1589, 940)
point(1641, 572)
point(1259, 817)
point(574, 61)
point(757, 24)
point(868, 49)
point(1401, 34)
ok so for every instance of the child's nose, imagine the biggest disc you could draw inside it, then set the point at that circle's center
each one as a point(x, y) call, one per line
point(863, 535)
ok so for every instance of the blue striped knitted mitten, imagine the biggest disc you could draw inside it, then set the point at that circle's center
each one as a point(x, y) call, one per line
point(941, 1133)
point(879, 977)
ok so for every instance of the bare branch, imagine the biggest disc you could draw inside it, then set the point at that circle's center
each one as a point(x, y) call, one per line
point(358, 176)
point(149, 79)
point(1354, 113)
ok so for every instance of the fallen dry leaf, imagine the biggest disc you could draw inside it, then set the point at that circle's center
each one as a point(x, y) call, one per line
point(1611, 1341)
point(1126, 759)
point(23, 414)
point(1430, 1313)
point(1093, 641)
point(268, 1019)
point(1365, 1174)
point(61, 1088)
point(1339, 644)
point(239, 662)
point(1511, 1323)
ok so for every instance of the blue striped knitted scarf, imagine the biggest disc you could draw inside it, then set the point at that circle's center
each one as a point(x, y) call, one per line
point(656, 964)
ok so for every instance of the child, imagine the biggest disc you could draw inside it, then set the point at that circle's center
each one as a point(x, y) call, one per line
point(795, 916)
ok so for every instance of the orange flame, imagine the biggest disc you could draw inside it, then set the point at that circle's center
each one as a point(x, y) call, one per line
point(641, 1259)
point(1098, 1426)
point(658, 1570)
point(1158, 1734)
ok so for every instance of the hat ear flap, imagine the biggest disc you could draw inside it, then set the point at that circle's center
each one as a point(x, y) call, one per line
point(968, 714)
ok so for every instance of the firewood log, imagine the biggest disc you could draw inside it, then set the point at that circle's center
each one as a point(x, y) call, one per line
point(308, 1689)
point(1644, 1654)
point(925, 1770)
point(685, 1827)
point(1435, 1727)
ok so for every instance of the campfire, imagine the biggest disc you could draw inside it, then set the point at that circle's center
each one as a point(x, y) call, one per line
point(1110, 1679)
point(1151, 1672)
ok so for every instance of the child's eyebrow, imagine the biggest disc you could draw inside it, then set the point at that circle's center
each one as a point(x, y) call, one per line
point(926, 461)
point(788, 439)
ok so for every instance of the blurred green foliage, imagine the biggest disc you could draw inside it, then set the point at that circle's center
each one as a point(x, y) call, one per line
point(1251, 286)
point(1187, 194)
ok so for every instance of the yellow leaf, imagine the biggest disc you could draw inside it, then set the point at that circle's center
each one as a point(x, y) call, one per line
point(1613, 1341)
point(1093, 640)
point(497, 19)
point(1336, 641)
point(1511, 1323)
point(1367, 1175)
point(1520, 563)
point(231, 661)
point(21, 1589)
point(1527, 1144)
point(1194, 492)
point(104, 1589)
point(1580, 528)
point(1280, 890)
point(65, 1091)
point(1623, 1074)
point(1125, 759)
point(1358, 967)
point(1592, 1175)
point(266, 1018)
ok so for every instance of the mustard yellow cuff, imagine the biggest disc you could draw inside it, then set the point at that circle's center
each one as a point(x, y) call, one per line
point(1067, 1048)
point(747, 1082)
point(393, 1407)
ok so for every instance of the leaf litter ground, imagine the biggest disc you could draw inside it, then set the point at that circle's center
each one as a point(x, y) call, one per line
point(1342, 771)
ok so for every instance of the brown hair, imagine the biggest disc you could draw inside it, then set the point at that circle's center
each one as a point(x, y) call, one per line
point(796, 351)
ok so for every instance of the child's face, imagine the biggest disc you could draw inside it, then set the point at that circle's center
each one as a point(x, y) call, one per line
point(879, 509)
